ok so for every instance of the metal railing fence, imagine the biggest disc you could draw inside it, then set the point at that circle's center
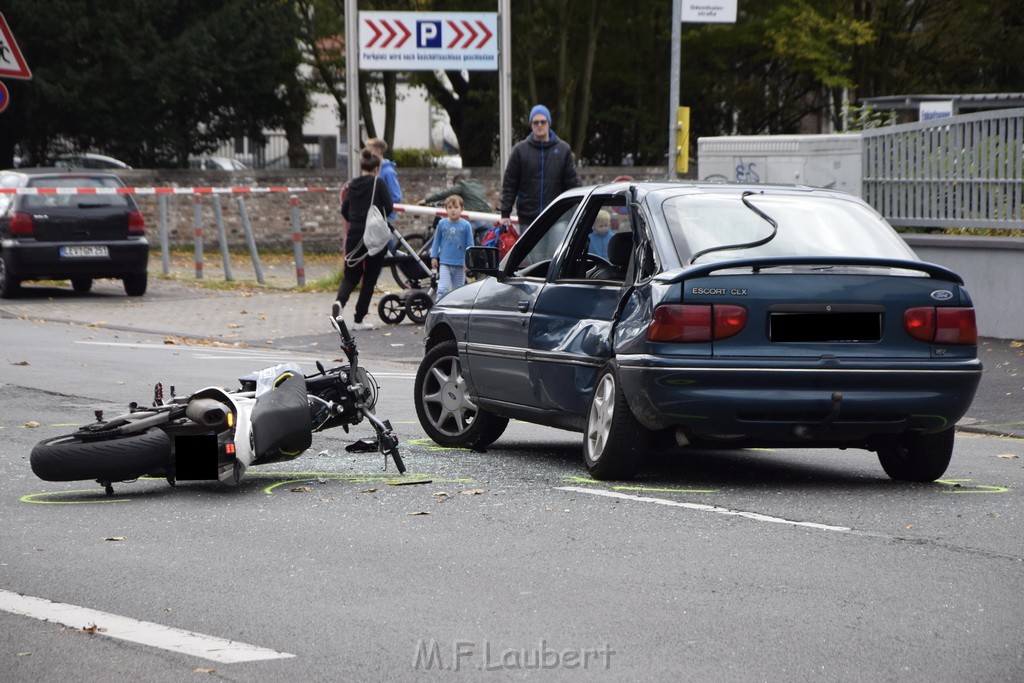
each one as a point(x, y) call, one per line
point(965, 171)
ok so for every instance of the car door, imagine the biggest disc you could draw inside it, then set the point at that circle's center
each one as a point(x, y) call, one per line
point(570, 330)
point(498, 333)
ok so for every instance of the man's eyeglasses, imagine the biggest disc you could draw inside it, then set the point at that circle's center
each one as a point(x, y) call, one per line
point(539, 122)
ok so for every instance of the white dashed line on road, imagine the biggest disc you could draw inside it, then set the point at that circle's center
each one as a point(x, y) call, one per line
point(135, 631)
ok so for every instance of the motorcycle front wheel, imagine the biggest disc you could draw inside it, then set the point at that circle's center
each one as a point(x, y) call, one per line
point(119, 458)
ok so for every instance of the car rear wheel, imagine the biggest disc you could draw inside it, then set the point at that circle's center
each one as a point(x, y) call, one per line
point(81, 284)
point(919, 457)
point(444, 407)
point(614, 441)
point(135, 285)
point(9, 285)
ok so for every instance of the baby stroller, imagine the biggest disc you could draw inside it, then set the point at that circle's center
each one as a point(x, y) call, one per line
point(410, 271)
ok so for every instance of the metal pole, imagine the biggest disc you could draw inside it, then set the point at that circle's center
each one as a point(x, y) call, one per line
point(300, 265)
point(222, 238)
point(504, 83)
point(352, 84)
point(251, 240)
point(673, 86)
point(197, 234)
point(164, 246)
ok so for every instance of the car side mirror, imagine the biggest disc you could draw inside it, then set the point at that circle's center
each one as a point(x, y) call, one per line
point(483, 260)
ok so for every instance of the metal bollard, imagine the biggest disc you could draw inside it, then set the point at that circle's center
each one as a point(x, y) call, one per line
point(164, 246)
point(222, 238)
point(197, 234)
point(251, 240)
point(300, 266)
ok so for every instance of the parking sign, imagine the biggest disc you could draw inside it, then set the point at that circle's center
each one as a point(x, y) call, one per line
point(425, 41)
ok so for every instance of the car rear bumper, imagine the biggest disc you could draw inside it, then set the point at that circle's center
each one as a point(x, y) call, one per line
point(43, 261)
point(790, 402)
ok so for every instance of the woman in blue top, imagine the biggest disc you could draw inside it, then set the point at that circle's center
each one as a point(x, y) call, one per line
point(448, 251)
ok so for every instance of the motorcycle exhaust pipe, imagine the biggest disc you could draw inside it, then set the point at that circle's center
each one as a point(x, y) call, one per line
point(208, 412)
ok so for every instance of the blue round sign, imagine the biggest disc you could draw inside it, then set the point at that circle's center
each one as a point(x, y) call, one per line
point(5, 97)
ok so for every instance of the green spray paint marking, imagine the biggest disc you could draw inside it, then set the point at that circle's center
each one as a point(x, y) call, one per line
point(957, 486)
point(39, 498)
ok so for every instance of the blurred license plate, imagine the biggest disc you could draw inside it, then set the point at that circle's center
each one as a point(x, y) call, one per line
point(77, 252)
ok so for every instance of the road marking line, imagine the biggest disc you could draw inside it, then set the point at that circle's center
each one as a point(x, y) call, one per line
point(142, 632)
point(757, 516)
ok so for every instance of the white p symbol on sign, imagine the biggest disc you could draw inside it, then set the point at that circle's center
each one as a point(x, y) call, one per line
point(428, 34)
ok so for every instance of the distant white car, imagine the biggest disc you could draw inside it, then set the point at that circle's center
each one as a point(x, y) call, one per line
point(89, 160)
point(216, 163)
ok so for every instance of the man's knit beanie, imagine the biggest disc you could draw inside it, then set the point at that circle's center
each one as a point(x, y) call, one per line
point(540, 109)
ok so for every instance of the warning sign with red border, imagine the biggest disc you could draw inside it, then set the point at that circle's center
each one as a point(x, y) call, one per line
point(12, 64)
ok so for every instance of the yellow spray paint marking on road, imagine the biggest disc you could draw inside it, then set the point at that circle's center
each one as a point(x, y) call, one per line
point(585, 480)
point(40, 498)
point(960, 486)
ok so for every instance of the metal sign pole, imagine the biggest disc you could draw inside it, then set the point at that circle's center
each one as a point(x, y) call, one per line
point(504, 83)
point(352, 85)
point(673, 86)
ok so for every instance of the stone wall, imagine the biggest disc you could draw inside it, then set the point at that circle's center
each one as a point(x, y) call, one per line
point(319, 212)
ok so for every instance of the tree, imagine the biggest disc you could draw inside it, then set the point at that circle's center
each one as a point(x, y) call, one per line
point(150, 81)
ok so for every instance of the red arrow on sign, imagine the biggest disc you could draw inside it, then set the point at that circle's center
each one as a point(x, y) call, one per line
point(407, 33)
point(376, 33)
point(12, 64)
point(488, 34)
point(458, 33)
point(472, 33)
point(391, 33)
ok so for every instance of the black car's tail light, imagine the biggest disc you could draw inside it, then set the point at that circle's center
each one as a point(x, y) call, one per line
point(696, 322)
point(942, 325)
point(136, 223)
point(21, 224)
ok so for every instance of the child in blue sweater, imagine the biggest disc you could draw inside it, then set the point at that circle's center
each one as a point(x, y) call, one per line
point(448, 251)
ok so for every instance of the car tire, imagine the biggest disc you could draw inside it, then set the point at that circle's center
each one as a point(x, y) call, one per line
point(918, 457)
point(10, 286)
point(135, 285)
point(68, 458)
point(81, 284)
point(614, 441)
point(444, 408)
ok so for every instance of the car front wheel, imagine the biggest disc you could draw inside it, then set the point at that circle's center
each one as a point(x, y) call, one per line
point(614, 441)
point(918, 457)
point(444, 407)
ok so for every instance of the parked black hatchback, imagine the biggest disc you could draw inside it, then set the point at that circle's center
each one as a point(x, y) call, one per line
point(69, 226)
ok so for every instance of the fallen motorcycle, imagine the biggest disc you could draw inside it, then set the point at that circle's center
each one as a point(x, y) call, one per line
point(216, 434)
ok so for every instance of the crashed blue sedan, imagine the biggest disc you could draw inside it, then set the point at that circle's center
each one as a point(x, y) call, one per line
point(714, 315)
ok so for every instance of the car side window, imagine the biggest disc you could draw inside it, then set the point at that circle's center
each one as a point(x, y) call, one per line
point(601, 245)
point(532, 255)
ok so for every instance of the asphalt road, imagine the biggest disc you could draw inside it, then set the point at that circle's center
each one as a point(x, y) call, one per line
point(723, 566)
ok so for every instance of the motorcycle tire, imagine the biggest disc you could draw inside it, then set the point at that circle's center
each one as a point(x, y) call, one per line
point(69, 458)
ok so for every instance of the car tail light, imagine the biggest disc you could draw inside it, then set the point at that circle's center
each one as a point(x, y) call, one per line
point(696, 322)
point(136, 223)
point(942, 325)
point(21, 224)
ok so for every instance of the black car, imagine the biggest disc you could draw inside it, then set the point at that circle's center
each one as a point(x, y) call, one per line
point(647, 315)
point(69, 226)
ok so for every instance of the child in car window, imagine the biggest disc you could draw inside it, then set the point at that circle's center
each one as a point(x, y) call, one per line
point(601, 234)
point(448, 251)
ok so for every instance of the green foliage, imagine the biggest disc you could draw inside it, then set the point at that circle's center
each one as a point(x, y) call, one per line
point(417, 158)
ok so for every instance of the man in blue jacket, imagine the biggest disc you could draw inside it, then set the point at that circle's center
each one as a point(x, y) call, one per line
point(539, 169)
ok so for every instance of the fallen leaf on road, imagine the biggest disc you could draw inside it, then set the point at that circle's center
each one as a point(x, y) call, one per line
point(23, 654)
point(33, 424)
point(410, 483)
point(301, 489)
point(368, 491)
point(473, 492)
point(93, 628)
point(1008, 456)
point(114, 538)
point(910, 526)
point(20, 362)
point(202, 670)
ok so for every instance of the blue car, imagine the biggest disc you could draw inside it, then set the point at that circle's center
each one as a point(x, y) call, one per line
point(723, 316)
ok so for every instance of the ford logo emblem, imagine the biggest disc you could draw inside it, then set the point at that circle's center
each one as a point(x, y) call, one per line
point(942, 295)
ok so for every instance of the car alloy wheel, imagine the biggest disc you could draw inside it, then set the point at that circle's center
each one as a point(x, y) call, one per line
point(614, 441)
point(444, 407)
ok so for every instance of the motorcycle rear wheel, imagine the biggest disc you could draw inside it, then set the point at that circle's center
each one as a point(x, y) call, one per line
point(69, 458)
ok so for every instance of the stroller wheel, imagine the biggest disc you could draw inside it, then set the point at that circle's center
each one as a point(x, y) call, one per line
point(390, 309)
point(417, 306)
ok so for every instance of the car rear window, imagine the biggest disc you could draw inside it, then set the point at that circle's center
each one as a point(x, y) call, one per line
point(808, 226)
point(74, 200)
